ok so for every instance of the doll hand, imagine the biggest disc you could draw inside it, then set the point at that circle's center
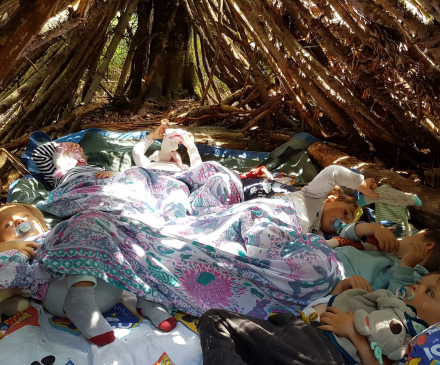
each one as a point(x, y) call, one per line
point(338, 322)
point(416, 255)
point(367, 187)
point(352, 282)
point(104, 174)
point(24, 247)
point(387, 240)
point(158, 132)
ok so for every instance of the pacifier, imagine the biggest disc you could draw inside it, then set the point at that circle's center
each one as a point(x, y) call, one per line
point(24, 229)
point(339, 225)
point(404, 293)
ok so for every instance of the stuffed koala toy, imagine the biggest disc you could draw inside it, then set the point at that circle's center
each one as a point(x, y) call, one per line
point(382, 327)
point(12, 301)
point(386, 321)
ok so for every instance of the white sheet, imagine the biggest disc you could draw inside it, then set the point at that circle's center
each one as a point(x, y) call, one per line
point(141, 345)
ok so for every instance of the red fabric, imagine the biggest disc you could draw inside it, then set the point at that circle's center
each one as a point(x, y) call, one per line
point(255, 172)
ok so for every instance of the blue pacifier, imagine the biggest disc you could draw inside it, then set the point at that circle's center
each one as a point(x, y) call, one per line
point(23, 229)
point(339, 225)
point(404, 293)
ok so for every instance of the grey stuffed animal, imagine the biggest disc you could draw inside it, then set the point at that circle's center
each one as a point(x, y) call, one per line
point(386, 321)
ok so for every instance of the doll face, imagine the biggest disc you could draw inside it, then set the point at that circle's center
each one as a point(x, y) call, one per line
point(426, 298)
point(333, 210)
point(11, 217)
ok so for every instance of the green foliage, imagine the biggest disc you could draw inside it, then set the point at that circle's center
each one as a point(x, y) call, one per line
point(113, 73)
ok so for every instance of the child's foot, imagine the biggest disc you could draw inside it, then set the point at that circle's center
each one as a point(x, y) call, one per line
point(156, 313)
point(80, 307)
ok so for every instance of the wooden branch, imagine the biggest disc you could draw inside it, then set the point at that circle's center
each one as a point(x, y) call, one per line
point(57, 127)
point(263, 110)
point(428, 214)
point(217, 49)
point(117, 36)
point(21, 29)
point(18, 165)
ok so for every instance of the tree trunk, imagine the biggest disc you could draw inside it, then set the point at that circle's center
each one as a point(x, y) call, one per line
point(169, 78)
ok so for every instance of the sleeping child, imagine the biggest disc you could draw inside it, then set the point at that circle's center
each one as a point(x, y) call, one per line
point(357, 326)
point(62, 162)
point(22, 221)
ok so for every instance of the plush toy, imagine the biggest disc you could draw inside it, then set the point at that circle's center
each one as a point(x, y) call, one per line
point(368, 243)
point(386, 321)
point(170, 143)
point(12, 302)
point(392, 204)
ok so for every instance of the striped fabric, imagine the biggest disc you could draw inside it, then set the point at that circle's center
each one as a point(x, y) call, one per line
point(43, 158)
point(396, 214)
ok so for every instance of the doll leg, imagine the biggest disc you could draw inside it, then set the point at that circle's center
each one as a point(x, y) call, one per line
point(80, 307)
point(156, 313)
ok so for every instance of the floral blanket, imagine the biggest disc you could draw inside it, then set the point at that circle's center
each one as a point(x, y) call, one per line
point(181, 240)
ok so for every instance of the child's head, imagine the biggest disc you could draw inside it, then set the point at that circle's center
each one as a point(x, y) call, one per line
point(67, 155)
point(426, 298)
point(430, 238)
point(13, 214)
point(338, 205)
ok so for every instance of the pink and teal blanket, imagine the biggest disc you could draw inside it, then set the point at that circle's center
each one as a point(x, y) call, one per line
point(186, 240)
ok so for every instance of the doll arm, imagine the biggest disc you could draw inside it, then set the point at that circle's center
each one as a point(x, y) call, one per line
point(364, 350)
point(24, 247)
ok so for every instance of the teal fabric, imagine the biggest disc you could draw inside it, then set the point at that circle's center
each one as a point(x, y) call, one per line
point(292, 158)
point(380, 269)
point(30, 190)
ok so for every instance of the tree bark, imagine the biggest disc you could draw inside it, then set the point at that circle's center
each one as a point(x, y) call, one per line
point(21, 29)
